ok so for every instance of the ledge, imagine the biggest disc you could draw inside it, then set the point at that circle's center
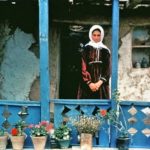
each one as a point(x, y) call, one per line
point(96, 148)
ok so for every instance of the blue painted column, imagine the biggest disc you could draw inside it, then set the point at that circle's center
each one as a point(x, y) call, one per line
point(115, 39)
point(115, 48)
point(44, 59)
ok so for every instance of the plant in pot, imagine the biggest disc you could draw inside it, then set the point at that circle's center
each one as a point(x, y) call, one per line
point(3, 139)
point(62, 134)
point(87, 127)
point(18, 135)
point(39, 133)
point(113, 116)
point(123, 138)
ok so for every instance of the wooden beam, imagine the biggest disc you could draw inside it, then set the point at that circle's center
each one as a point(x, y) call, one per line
point(114, 76)
point(44, 60)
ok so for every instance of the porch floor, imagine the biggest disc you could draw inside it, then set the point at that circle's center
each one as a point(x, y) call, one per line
point(78, 148)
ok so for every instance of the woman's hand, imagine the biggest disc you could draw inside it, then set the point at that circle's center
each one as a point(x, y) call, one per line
point(93, 87)
point(98, 84)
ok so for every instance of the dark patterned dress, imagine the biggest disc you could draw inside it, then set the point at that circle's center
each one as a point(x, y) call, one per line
point(95, 66)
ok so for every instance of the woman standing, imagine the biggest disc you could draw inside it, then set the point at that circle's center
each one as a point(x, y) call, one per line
point(95, 67)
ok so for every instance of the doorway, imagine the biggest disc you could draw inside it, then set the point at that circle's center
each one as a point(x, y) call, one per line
point(71, 39)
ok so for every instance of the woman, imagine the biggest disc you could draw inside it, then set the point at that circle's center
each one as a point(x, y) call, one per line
point(95, 67)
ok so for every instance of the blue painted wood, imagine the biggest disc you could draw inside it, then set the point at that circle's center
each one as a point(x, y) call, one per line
point(58, 109)
point(19, 103)
point(139, 103)
point(81, 102)
point(115, 39)
point(138, 139)
point(33, 117)
point(87, 107)
point(44, 60)
point(87, 110)
point(136, 142)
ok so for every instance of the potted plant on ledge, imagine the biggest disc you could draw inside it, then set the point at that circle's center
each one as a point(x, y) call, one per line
point(3, 139)
point(123, 139)
point(87, 126)
point(39, 134)
point(62, 134)
point(18, 135)
point(113, 116)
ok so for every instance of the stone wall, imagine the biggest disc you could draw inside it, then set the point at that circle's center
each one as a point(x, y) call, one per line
point(133, 83)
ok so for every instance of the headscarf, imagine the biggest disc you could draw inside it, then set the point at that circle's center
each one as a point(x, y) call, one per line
point(93, 43)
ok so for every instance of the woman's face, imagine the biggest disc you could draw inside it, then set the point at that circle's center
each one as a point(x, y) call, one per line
point(96, 36)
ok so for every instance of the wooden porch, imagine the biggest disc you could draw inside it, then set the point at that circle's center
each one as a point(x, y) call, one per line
point(38, 108)
point(77, 148)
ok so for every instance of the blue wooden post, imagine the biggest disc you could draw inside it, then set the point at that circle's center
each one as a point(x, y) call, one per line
point(44, 60)
point(115, 39)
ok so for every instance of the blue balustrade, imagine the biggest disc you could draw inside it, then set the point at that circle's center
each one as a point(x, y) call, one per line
point(64, 109)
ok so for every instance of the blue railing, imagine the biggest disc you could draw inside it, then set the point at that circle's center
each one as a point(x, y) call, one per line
point(137, 116)
point(64, 109)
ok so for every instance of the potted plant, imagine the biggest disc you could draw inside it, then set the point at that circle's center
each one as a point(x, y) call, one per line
point(87, 126)
point(39, 134)
point(18, 135)
point(3, 139)
point(123, 138)
point(62, 134)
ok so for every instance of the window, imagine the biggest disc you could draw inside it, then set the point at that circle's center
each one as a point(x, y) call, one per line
point(141, 47)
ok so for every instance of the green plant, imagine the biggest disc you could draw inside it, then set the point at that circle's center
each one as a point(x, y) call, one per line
point(114, 117)
point(43, 128)
point(18, 129)
point(2, 132)
point(88, 123)
point(119, 125)
point(62, 132)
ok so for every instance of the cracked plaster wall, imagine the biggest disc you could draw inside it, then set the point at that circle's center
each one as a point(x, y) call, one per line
point(133, 83)
point(20, 66)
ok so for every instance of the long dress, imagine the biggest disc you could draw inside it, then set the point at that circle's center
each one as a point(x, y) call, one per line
point(95, 66)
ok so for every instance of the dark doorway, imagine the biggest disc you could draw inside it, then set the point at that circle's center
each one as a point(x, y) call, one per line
point(70, 60)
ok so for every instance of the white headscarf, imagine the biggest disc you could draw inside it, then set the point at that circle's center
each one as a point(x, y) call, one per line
point(93, 43)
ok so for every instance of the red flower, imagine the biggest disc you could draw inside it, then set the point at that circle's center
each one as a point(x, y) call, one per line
point(49, 127)
point(31, 126)
point(14, 132)
point(44, 123)
point(103, 112)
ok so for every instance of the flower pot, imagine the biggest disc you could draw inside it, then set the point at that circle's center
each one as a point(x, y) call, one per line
point(122, 143)
point(3, 142)
point(64, 143)
point(17, 142)
point(39, 142)
point(53, 143)
point(86, 141)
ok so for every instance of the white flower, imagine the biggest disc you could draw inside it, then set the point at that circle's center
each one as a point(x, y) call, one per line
point(66, 133)
point(52, 131)
point(66, 137)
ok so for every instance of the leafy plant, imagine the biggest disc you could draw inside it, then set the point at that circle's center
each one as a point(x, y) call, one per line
point(88, 123)
point(41, 129)
point(18, 130)
point(2, 132)
point(114, 117)
point(62, 132)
